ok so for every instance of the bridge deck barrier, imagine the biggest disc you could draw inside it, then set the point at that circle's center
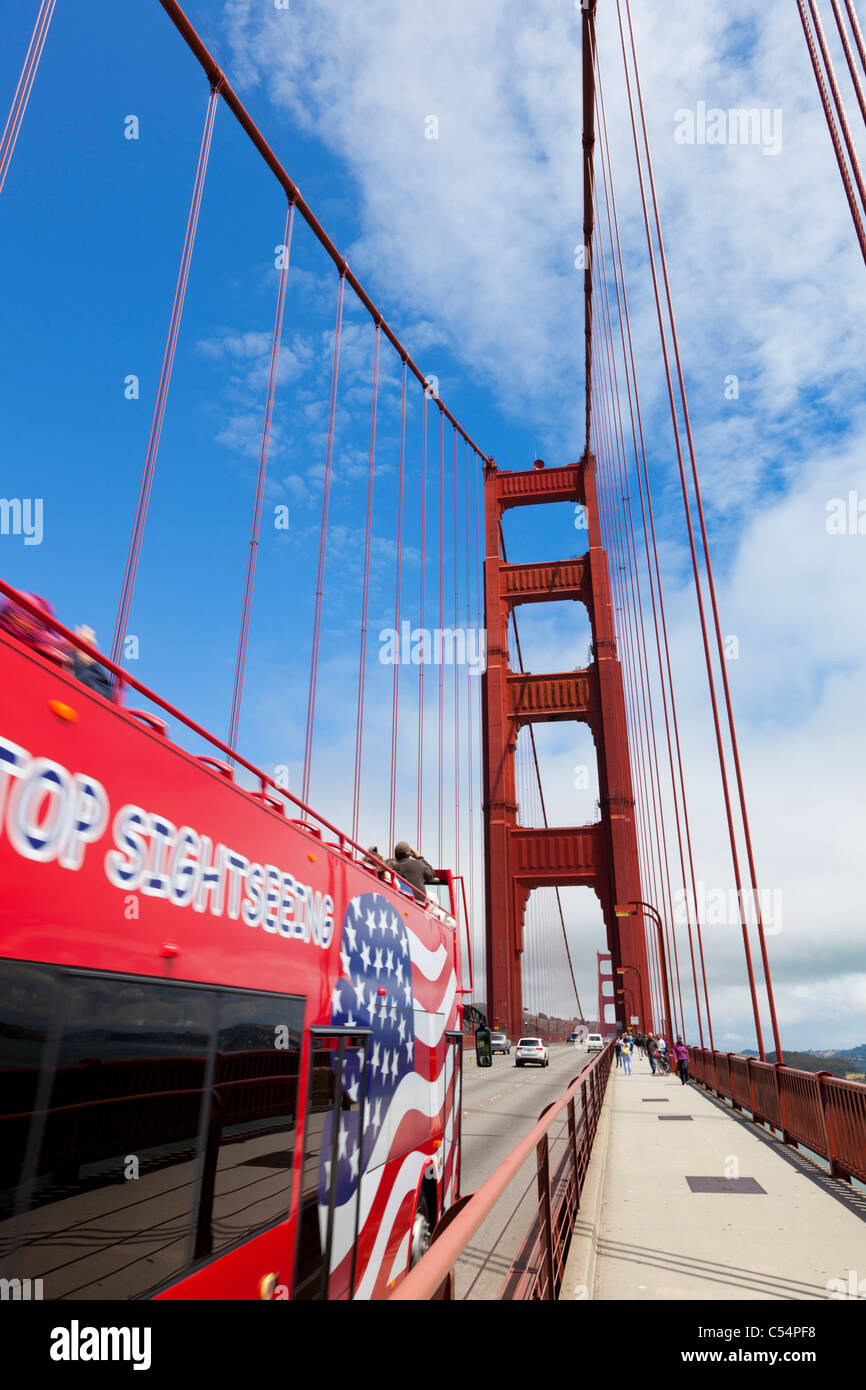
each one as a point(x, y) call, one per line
point(537, 1269)
point(822, 1112)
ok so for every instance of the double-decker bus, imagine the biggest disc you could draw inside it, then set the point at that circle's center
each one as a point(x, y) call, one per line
point(230, 1049)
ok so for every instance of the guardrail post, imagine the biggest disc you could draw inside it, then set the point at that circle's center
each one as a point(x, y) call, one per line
point(786, 1137)
point(773, 1125)
point(835, 1170)
point(755, 1116)
point(543, 1159)
point(734, 1102)
point(572, 1139)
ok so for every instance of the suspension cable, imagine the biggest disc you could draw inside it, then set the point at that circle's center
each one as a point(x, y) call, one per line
point(395, 697)
point(323, 539)
point(255, 526)
point(164, 382)
point(15, 118)
point(365, 591)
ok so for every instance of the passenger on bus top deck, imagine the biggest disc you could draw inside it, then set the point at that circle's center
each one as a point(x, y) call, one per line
point(34, 633)
point(412, 866)
point(370, 862)
point(88, 670)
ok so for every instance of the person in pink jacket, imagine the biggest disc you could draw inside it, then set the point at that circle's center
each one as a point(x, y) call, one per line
point(681, 1053)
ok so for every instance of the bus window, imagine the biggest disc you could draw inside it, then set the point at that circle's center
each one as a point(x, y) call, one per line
point(143, 1125)
point(112, 1190)
point(328, 1224)
point(251, 1130)
point(27, 1006)
point(439, 892)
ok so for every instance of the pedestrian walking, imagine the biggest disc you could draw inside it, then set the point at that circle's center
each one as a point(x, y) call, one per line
point(619, 1052)
point(681, 1053)
point(626, 1055)
point(650, 1052)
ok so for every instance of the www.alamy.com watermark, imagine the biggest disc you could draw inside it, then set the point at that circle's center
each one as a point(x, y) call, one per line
point(439, 646)
point(738, 126)
point(22, 516)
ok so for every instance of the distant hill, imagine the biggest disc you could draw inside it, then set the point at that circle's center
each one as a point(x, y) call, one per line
point(850, 1062)
point(856, 1055)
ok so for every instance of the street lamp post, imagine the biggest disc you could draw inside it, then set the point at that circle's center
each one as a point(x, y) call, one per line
point(628, 910)
point(620, 970)
point(625, 991)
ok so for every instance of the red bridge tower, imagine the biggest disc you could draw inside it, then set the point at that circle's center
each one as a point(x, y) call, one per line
point(602, 856)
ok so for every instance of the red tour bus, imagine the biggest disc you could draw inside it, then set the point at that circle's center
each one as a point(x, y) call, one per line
point(230, 1054)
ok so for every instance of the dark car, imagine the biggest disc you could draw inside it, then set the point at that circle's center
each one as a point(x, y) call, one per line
point(500, 1042)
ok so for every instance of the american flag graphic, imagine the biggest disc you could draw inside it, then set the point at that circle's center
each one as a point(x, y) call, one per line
point(397, 979)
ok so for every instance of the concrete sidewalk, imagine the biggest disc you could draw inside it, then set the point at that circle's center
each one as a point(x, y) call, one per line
point(643, 1233)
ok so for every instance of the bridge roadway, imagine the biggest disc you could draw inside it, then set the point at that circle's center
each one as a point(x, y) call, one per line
point(774, 1224)
point(500, 1105)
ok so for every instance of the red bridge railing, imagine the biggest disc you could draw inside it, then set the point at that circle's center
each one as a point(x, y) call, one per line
point(537, 1269)
point(815, 1109)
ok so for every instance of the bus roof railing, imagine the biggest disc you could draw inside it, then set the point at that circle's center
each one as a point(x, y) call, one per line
point(124, 678)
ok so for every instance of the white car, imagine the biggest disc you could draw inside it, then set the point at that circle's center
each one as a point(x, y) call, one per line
point(595, 1042)
point(531, 1050)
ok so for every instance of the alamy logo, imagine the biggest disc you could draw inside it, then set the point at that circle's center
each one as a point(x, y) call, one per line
point(22, 516)
point(739, 126)
point(854, 1287)
point(725, 907)
point(77, 1343)
point(846, 518)
point(23, 1289)
point(444, 646)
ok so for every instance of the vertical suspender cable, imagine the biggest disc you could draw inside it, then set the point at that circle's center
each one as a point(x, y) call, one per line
point(323, 536)
point(849, 55)
point(256, 524)
point(394, 706)
point(587, 36)
point(365, 591)
point(420, 838)
point(855, 29)
point(710, 584)
point(457, 664)
point(768, 984)
point(480, 914)
point(637, 636)
point(25, 86)
point(470, 739)
point(440, 644)
point(659, 617)
point(633, 629)
point(164, 382)
point(837, 100)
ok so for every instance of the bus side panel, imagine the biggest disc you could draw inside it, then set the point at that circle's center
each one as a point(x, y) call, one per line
point(239, 1274)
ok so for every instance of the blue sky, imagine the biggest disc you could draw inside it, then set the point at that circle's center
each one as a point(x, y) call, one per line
point(466, 243)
